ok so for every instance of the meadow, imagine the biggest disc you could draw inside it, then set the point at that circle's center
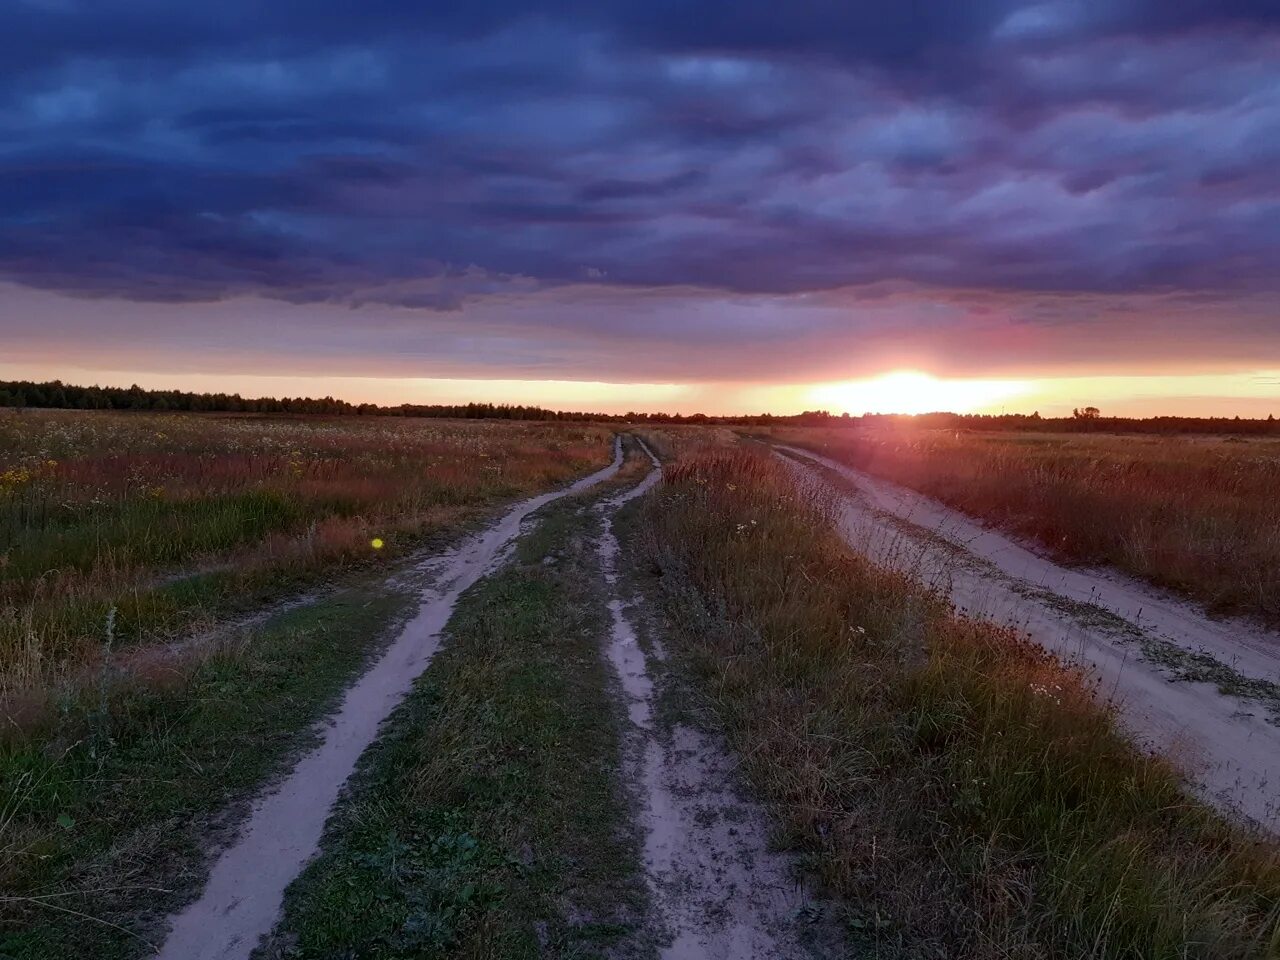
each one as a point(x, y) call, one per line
point(123, 528)
point(957, 790)
point(1199, 516)
point(182, 597)
point(960, 788)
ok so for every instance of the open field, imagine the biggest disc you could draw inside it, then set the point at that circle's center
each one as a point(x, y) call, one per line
point(694, 711)
point(117, 529)
point(1199, 516)
point(129, 747)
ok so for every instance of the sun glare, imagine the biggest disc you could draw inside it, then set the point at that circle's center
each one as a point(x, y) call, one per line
point(910, 391)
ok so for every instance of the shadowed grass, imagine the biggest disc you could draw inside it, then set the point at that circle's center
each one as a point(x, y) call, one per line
point(958, 786)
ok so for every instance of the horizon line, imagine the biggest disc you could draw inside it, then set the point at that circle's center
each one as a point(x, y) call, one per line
point(404, 408)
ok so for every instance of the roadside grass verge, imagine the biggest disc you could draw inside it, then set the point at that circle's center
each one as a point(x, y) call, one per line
point(1199, 517)
point(960, 788)
point(106, 821)
point(486, 821)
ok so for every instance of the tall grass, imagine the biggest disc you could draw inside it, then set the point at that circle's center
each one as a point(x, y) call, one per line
point(959, 787)
point(164, 517)
point(1198, 516)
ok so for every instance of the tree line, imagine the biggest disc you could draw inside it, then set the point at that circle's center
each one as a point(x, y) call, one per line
point(56, 394)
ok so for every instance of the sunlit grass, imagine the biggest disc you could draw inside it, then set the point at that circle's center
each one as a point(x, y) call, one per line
point(1199, 516)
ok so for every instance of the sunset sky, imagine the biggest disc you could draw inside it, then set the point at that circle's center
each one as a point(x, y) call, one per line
point(718, 206)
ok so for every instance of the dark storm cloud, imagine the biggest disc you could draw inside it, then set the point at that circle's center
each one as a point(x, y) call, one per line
point(321, 151)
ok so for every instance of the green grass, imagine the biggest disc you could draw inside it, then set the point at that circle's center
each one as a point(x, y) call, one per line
point(149, 532)
point(167, 519)
point(106, 821)
point(68, 620)
point(957, 786)
point(486, 821)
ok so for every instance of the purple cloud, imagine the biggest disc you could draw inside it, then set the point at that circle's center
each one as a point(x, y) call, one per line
point(478, 157)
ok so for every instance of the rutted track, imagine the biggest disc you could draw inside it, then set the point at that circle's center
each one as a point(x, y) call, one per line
point(242, 898)
point(720, 893)
point(1152, 655)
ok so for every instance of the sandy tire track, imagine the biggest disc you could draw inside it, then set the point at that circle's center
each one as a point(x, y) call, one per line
point(718, 890)
point(1117, 629)
point(242, 899)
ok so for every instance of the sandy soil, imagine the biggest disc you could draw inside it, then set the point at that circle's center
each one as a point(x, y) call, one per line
point(1140, 644)
point(718, 890)
point(243, 896)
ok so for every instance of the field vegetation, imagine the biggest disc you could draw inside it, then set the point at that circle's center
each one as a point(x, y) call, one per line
point(961, 789)
point(106, 822)
point(120, 767)
point(1199, 516)
point(120, 528)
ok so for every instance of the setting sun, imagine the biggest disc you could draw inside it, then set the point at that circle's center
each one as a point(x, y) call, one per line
point(910, 391)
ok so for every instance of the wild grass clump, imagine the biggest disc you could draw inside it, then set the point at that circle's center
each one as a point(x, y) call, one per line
point(959, 787)
point(167, 517)
point(1196, 515)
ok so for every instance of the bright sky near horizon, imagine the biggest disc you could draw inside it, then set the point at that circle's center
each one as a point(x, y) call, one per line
point(1254, 394)
point(612, 205)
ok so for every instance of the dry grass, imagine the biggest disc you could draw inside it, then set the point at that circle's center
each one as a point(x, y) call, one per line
point(1198, 516)
point(120, 528)
point(674, 441)
point(960, 788)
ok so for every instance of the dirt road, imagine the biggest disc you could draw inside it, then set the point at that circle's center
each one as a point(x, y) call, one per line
point(719, 892)
point(1204, 693)
point(242, 898)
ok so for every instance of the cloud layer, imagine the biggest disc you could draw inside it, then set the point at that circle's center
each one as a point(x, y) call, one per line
point(997, 158)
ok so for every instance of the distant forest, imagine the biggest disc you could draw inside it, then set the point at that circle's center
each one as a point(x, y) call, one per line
point(56, 394)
